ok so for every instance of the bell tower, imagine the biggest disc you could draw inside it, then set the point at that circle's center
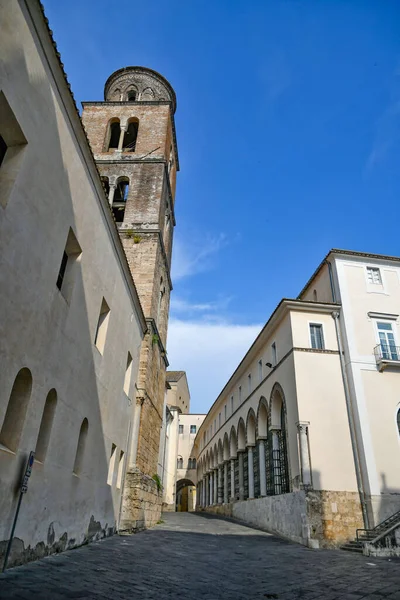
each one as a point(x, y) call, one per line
point(132, 136)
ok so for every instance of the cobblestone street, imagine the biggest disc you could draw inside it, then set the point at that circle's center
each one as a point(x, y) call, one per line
point(202, 557)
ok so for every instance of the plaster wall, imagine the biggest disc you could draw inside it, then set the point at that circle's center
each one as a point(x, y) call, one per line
point(57, 188)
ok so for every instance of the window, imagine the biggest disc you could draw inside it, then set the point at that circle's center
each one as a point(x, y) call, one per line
point(274, 354)
point(219, 420)
point(225, 413)
point(69, 266)
point(215, 425)
point(249, 383)
point(114, 133)
point(45, 426)
point(316, 336)
point(132, 96)
point(120, 469)
point(240, 394)
point(111, 465)
point(191, 463)
point(193, 429)
point(180, 428)
point(128, 375)
point(102, 325)
point(231, 405)
point(80, 449)
point(180, 462)
point(387, 341)
point(260, 373)
point(130, 137)
point(14, 419)
point(374, 275)
point(12, 145)
point(120, 198)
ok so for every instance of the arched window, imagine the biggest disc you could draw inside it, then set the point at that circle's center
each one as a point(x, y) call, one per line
point(120, 198)
point(398, 421)
point(180, 462)
point(80, 449)
point(113, 134)
point(132, 96)
point(193, 463)
point(14, 419)
point(46, 425)
point(130, 137)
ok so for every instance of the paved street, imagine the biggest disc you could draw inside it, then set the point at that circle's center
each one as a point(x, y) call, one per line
point(202, 558)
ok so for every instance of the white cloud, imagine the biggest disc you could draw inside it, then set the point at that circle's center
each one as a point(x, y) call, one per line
point(209, 353)
point(180, 306)
point(196, 257)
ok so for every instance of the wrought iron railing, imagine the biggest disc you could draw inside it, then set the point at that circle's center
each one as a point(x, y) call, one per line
point(386, 352)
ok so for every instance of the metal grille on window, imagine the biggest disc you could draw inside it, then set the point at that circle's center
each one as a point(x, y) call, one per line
point(229, 480)
point(222, 481)
point(246, 474)
point(236, 478)
point(269, 464)
point(256, 462)
point(283, 454)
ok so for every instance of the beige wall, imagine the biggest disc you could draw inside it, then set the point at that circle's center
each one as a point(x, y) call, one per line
point(57, 187)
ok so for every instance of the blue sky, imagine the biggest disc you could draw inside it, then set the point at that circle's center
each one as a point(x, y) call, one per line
point(288, 127)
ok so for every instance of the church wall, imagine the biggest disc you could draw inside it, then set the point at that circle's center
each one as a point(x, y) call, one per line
point(52, 332)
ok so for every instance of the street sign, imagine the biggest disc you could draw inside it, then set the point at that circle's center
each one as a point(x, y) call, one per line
point(27, 474)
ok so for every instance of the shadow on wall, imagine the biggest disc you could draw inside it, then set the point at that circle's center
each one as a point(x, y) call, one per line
point(68, 501)
point(389, 501)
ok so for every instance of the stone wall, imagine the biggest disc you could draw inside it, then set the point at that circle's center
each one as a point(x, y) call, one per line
point(333, 516)
point(141, 503)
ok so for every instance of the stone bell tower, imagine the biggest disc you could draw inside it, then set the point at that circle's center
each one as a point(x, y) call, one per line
point(132, 135)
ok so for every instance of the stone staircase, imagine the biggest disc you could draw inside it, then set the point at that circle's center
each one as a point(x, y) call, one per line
point(364, 536)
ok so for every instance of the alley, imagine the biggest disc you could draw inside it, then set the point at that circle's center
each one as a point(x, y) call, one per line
point(202, 557)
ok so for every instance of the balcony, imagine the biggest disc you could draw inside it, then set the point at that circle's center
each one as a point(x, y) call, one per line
point(387, 355)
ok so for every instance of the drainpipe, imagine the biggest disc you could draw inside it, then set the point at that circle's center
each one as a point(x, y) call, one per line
point(349, 406)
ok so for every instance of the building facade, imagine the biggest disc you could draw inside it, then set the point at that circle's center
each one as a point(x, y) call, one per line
point(304, 438)
point(85, 284)
point(177, 461)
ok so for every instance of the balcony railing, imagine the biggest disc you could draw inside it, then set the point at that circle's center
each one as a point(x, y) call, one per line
point(387, 355)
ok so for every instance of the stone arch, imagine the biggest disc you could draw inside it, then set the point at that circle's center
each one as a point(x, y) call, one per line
point(251, 428)
point(278, 426)
point(226, 449)
point(80, 449)
point(46, 425)
point(211, 465)
point(131, 93)
point(147, 94)
point(17, 407)
point(241, 435)
point(116, 94)
point(113, 132)
point(277, 403)
point(215, 465)
point(262, 418)
point(220, 453)
point(131, 134)
point(185, 495)
point(233, 443)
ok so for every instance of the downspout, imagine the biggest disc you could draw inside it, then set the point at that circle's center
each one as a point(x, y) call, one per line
point(349, 406)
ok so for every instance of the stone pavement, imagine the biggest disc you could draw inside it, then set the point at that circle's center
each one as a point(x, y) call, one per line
point(202, 557)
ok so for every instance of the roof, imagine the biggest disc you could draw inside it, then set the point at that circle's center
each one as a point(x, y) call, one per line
point(345, 253)
point(175, 375)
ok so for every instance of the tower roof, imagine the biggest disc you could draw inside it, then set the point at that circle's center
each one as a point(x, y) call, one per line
point(146, 83)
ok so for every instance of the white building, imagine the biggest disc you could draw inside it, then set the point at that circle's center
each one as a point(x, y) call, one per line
point(304, 438)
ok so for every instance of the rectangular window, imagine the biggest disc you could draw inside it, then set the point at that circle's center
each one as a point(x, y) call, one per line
point(12, 145)
point(240, 394)
point(128, 375)
point(260, 370)
point(231, 405)
point(219, 420)
point(111, 464)
point(69, 264)
point(249, 384)
point(225, 412)
point(120, 469)
point(387, 341)
point(316, 336)
point(102, 326)
point(180, 428)
point(274, 354)
point(193, 429)
point(374, 275)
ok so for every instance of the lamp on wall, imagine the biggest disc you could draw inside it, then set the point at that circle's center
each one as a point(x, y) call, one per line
point(268, 365)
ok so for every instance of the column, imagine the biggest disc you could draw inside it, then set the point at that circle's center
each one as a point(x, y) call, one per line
point(121, 137)
point(275, 452)
point(263, 470)
point(220, 497)
point(226, 499)
point(211, 502)
point(250, 468)
point(305, 465)
point(111, 193)
point(232, 479)
point(241, 475)
point(216, 486)
point(207, 490)
point(203, 492)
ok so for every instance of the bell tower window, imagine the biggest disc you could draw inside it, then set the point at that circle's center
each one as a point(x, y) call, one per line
point(120, 198)
point(130, 137)
point(132, 96)
point(114, 135)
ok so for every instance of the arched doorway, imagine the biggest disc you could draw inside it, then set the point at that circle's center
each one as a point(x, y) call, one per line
point(185, 495)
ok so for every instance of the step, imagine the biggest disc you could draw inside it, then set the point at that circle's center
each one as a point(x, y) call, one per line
point(351, 548)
